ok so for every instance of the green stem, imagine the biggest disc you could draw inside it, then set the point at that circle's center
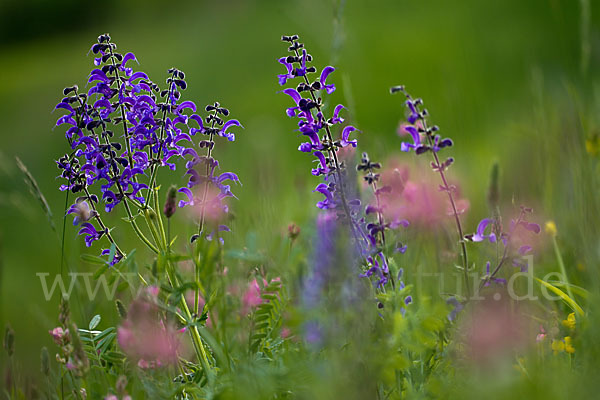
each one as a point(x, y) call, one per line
point(447, 189)
point(102, 226)
point(561, 264)
point(138, 231)
point(160, 224)
point(122, 107)
point(193, 330)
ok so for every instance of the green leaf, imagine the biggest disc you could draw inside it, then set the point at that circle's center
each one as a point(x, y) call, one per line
point(104, 333)
point(261, 317)
point(127, 219)
point(111, 253)
point(100, 271)
point(578, 290)
point(262, 326)
point(113, 356)
point(93, 259)
point(94, 322)
point(569, 301)
point(258, 336)
point(179, 257)
point(105, 343)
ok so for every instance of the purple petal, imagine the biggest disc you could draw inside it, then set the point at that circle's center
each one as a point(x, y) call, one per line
point(293, 93)
point(189, 194)
point(228, 175)
point(138, 75)
point(524, 249)
point(128, 57)
point(186, 104)
point(325, 73)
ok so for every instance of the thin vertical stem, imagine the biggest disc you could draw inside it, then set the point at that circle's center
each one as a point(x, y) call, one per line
point(122, 107)
point(448, 190)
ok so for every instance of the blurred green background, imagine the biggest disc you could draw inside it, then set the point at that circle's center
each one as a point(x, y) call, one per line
point(514, 81)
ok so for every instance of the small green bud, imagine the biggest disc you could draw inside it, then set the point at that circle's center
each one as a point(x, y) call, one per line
point(9, 340)
point(121, 309)
point(63, 314)
point(45, 361)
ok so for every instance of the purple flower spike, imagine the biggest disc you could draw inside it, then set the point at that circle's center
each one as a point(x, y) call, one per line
point(324, 74)
point(480, 235)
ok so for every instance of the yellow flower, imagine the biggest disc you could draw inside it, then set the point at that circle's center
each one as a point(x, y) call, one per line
point(592, 145)
point(568, 345)
point(551, 228)
point(558, 346)
point(570, 321)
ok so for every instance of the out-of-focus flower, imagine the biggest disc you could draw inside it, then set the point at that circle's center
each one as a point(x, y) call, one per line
point(252, 296)
point(293, 231)
point(570, 321)
point(569, 345)
point(285, 332)
point(541, 336)
point(146, 338)
point(493, 330)
point(592, 145)
point(415, 198)
point(82, 212)
point(566, 344)
point(551, 228)
point(457, 307)
point(60, 336)
point(481, 228)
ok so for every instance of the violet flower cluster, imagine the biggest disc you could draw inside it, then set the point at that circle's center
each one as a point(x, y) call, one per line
point(425, 139)
point(514, 245)
point(122, 130)
point(376, 225)
point(314, 125)
point(317, 128)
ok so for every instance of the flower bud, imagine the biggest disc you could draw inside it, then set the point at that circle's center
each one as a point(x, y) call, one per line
point(63, 315)
point(121, 384)
point(45, 361)
point(293, 231)
point(121, 309)
point(551, 228)
point(170, 203)
point(9, 340)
